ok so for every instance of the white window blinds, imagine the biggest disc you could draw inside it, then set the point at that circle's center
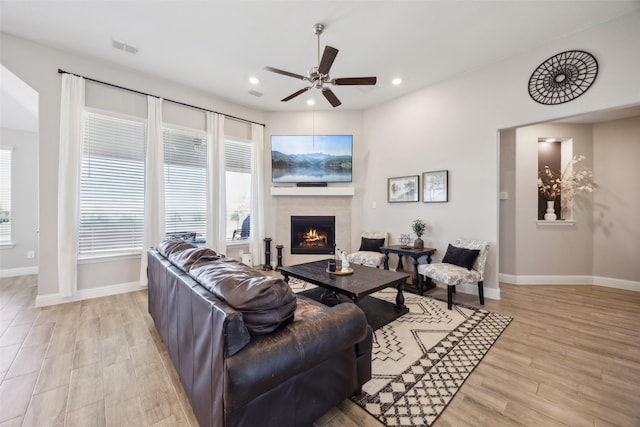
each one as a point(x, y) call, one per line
point(237, 156)
point(238, 179)
point(185, 183)
point(5, 193)
point(111, 186)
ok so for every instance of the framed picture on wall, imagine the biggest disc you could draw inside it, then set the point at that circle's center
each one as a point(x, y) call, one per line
point(435, 186)
point(403, 189)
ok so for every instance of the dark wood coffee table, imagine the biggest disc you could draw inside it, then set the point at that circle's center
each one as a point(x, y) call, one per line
point(363, 281)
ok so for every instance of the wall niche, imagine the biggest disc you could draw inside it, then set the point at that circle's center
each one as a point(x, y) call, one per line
point(554, 153)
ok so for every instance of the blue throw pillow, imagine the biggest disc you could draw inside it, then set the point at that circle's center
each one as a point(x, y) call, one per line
point(461, 257)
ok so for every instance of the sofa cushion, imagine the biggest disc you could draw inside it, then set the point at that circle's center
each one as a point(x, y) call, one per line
point(374, 259)
point(265, 302)
point(461, 257)
point(449, 274)
point(169, 246)
point(184, 259)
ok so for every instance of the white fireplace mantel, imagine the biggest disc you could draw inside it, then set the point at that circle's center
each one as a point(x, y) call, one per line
point(312, 191)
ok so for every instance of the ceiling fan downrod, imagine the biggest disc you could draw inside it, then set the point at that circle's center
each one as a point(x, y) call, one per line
point(317, 30)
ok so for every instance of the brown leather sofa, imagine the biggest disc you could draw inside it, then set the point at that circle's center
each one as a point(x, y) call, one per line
point(248, 351)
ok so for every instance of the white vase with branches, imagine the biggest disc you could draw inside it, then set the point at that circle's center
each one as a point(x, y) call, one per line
point(552, 184)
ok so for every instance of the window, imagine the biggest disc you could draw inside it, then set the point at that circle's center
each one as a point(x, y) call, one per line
point(5, 194)
point(238, 177)
point(185, 183)
point(112, 186)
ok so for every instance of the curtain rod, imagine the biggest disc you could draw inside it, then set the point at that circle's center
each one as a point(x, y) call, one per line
point(60, 71)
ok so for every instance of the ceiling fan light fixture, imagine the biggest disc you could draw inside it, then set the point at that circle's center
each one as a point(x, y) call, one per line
point(318, 75)
point(310, 102)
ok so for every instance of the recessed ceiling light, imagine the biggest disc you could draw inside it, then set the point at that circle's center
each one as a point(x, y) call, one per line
point(396, 81)
point(310, 102)
point(550, 140)
point(254, 80)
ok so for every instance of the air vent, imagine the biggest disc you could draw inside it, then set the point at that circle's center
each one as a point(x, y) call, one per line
point(255, 93)
point(123, 46)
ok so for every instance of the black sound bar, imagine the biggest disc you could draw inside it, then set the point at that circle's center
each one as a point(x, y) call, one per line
point(311, 184)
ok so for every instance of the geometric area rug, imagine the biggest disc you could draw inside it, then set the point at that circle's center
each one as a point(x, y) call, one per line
point(421, 359)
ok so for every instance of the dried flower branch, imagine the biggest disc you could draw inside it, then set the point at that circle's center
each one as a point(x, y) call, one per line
point(551, 183)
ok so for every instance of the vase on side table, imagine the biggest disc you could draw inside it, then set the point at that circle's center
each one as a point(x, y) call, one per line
point(550, 214)
point(418, 243)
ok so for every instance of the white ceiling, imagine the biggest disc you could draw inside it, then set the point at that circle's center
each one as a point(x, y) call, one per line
point(216, 46)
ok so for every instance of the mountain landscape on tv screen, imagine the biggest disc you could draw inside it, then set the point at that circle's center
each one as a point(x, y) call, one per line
point(310, 167)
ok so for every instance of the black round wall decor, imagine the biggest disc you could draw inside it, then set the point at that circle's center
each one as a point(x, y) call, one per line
point(563, 77)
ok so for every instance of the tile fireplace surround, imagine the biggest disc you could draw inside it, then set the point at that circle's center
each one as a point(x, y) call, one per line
point(340, 207)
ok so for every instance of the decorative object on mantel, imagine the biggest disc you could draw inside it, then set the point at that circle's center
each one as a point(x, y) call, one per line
point(553, 184)
point(563, 77)
point(418, 227)
point(403, 189)
point(435, 186)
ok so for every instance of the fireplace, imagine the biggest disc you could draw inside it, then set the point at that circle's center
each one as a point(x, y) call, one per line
point(314, 235)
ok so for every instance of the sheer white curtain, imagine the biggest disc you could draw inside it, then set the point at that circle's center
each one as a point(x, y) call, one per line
point(153, 183)
point(257, 194)
point(216, 188)
point(69, 164)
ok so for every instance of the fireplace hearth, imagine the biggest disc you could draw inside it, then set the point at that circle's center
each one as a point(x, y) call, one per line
point(313, 235)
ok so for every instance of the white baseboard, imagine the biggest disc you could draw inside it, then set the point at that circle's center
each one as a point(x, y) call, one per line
point(570, 280)
point(53, 299)
point(609, 282)
point(13, 272)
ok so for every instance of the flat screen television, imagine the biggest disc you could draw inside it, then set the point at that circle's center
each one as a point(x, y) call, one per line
point(306, 158)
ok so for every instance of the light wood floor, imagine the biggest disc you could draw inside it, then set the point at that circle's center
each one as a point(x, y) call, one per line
point(571, 356)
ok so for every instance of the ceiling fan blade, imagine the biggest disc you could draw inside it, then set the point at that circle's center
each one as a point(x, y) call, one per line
point(355, 81)
point(293, 95)
point(285, 73)
point(331, 97)
point(328, 57)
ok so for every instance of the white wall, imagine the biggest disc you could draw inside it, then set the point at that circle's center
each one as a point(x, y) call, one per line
point(37, 66)
point(508, 237)
point(454, 126)
point(24, 202)
point(616, 239)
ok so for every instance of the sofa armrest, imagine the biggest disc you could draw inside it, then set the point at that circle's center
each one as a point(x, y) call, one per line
point(271, 359)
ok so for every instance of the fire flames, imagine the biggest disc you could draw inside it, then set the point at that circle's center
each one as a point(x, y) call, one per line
point(313, 239)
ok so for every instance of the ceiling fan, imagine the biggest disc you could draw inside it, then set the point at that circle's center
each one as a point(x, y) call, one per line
point(318, 76)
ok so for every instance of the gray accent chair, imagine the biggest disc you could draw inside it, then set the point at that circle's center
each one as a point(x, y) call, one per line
point(369, 258)
point(453, 275)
